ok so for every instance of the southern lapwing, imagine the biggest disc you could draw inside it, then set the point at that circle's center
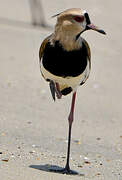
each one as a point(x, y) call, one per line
point(65, 59)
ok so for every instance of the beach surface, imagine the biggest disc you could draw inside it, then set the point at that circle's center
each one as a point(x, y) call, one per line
point(33, 128)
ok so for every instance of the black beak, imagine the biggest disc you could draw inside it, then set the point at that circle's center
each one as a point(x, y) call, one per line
point(95, 28)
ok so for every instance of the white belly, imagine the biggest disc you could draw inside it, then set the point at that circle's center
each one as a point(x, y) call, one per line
point(72, 82)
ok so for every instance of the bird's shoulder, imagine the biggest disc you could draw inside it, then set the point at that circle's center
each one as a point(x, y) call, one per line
point(43, 45)
point(87, 47)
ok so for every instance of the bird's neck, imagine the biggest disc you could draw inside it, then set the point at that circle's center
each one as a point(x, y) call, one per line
point(67, 38)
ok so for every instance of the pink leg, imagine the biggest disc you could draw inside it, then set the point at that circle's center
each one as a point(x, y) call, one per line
point(67, 169)
point(71, 115)
point(70, 119)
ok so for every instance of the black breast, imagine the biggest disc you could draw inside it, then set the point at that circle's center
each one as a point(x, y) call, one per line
point(64, 63)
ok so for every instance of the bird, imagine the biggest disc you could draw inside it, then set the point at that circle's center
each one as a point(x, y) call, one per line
point(65, 60)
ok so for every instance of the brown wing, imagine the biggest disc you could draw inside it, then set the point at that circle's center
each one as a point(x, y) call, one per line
point(88, 48)
point(89, 58)
point(42, 47)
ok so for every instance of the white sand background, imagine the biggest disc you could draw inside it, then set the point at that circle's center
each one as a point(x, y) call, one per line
point(33, 129)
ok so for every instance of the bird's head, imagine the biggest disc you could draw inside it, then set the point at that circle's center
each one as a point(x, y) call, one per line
point(75, 21)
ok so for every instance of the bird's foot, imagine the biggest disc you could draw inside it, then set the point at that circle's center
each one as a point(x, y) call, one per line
point(65, 170)
point(58, 92)
point(68, 171)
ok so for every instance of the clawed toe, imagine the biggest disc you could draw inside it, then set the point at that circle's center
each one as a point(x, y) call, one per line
point(64, 171)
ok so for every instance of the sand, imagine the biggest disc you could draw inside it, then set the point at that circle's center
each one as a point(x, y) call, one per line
point(33, 129)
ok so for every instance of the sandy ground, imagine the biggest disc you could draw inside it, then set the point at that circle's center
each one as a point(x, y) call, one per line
point(33, 129)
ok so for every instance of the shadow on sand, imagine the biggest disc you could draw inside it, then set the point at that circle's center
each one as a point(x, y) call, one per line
point(54, 169)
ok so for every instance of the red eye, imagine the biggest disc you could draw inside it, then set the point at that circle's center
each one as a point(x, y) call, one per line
point(79, 18)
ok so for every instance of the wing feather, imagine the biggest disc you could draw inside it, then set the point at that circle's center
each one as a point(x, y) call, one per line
point(89, 61)
point(88, 49)
point(42, 47)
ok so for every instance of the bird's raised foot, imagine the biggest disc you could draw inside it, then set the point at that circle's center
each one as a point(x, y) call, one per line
point(58, 92)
